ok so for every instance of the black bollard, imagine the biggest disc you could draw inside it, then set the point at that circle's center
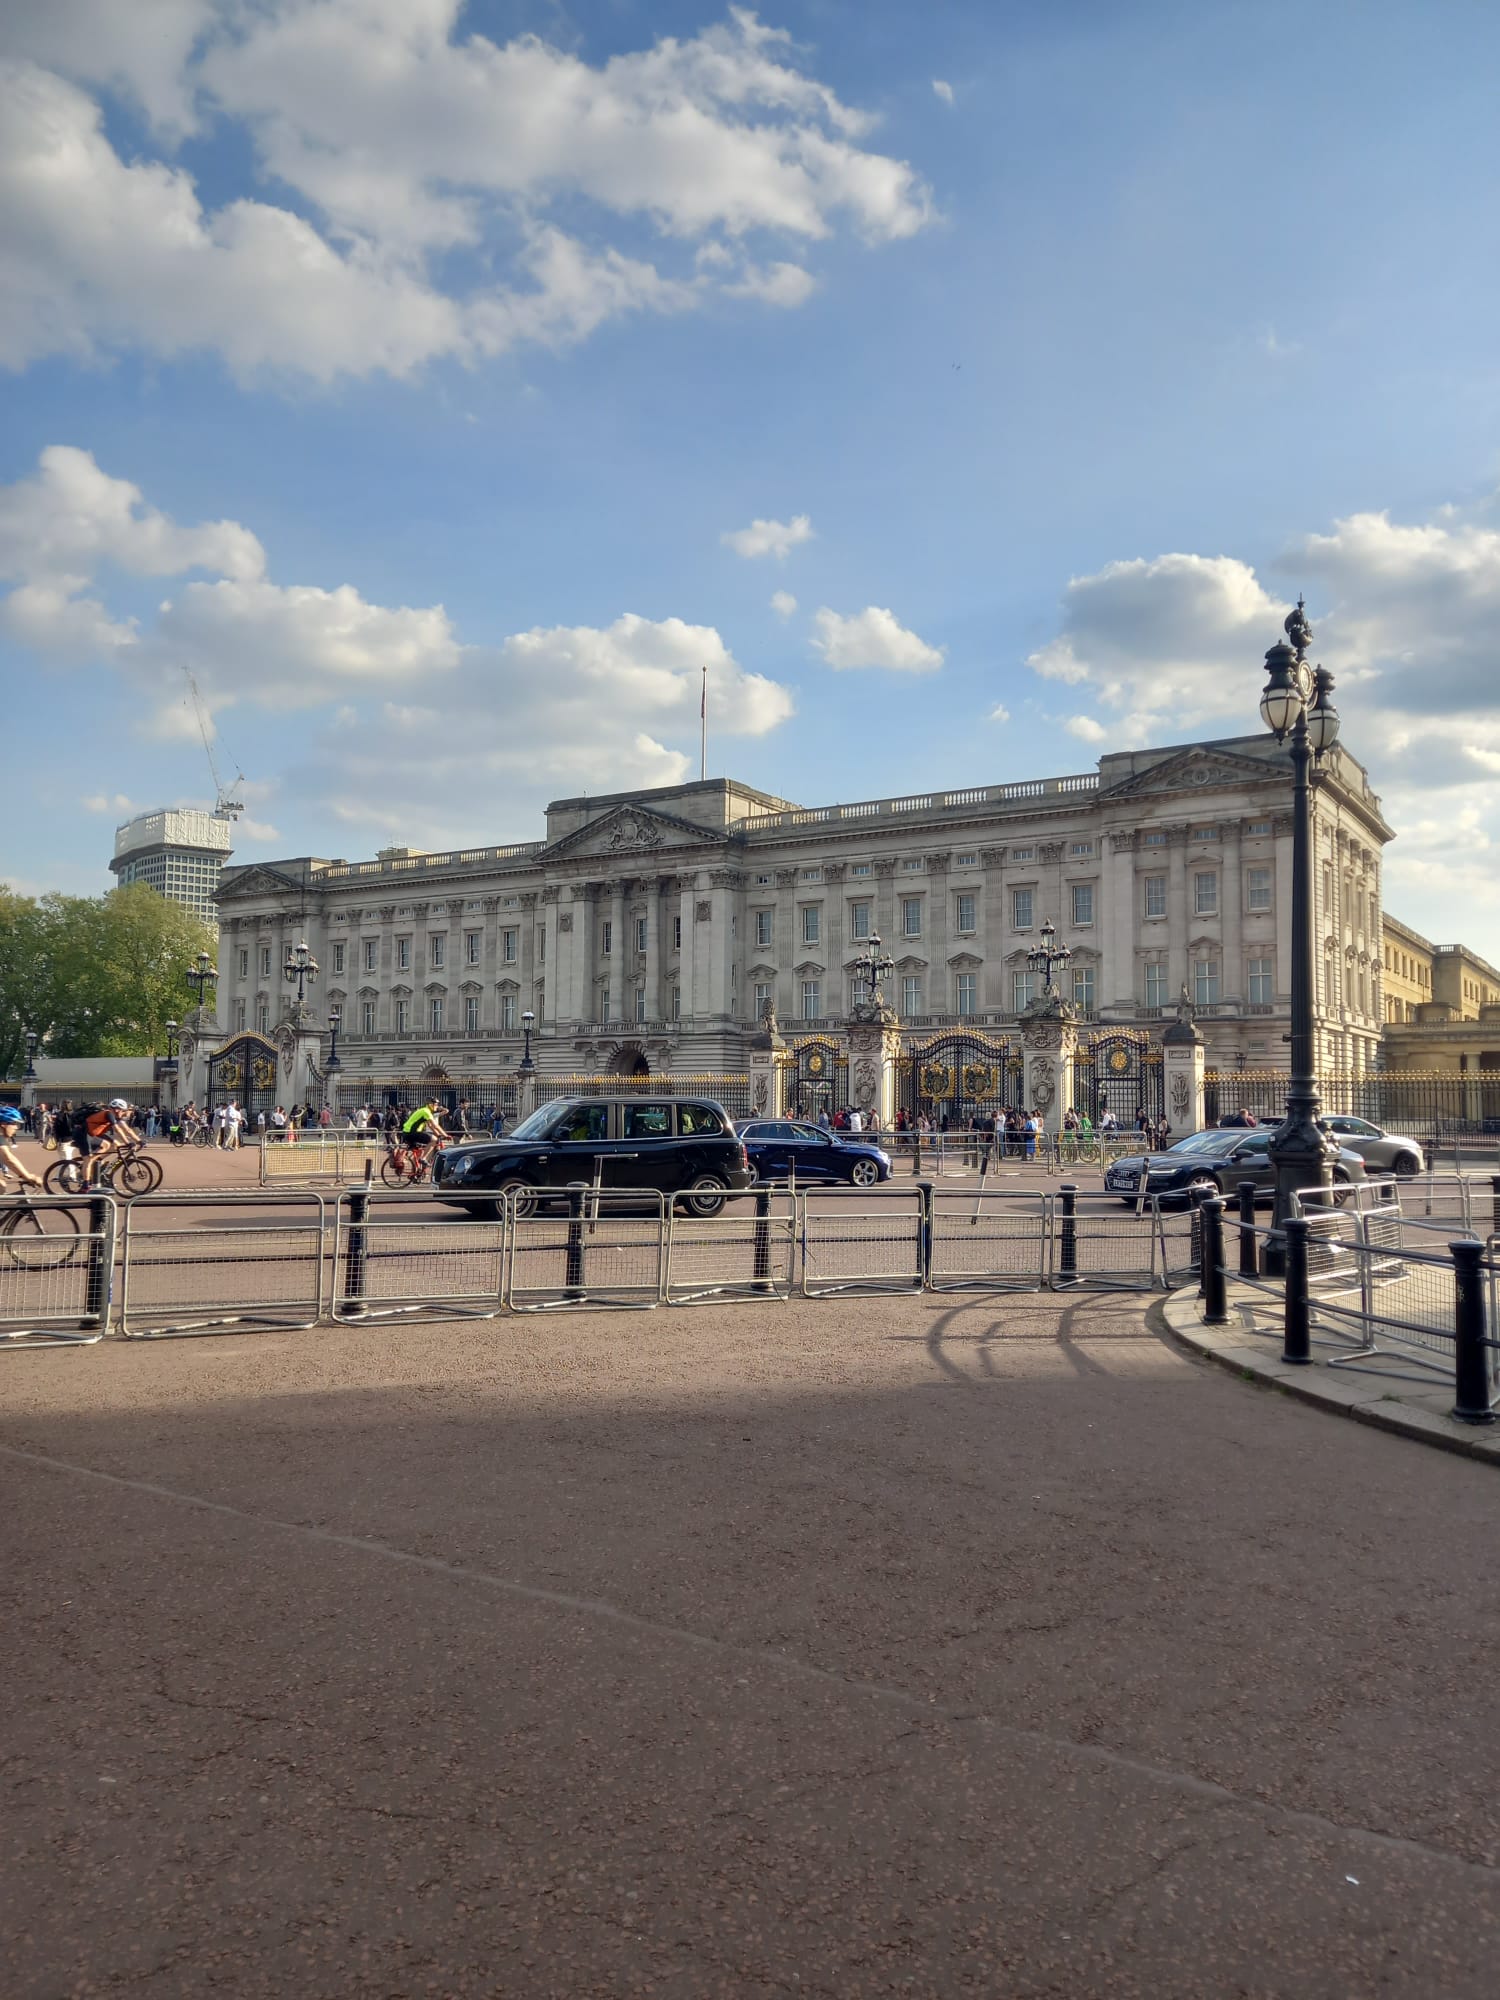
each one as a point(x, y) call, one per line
point(354, 1249)
point(1296, 1337)
point(761, 1274)
point(924, 1232)
point(100, 1270)
point(1495, 1205)
point(916, 1156)
point(1471, 1354)
point(1067, 1236)
point(1249, 1249)
point(1215, 1303)
point(574, 1282)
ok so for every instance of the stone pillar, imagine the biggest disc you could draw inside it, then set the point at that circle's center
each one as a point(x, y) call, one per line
point(1178, 915)
point(767, 1077)
point(618, 945)
point(298, 1047)
point(1232, 918)
point(1049, 1037)
point(655, 917)
point(787, 949)
point(874, 1041)
point(939, 915)
point(1182, 1066)
point(549, 958)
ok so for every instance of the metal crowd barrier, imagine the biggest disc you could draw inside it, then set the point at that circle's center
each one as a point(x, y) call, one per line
point(994, 1240)
point(57, 1255)
point(1099, 1245)
point(392, 1260)
point(748, 1252)
point(221, 1262)
point(864, 1240)
point(592, 1247)
point(335, 1156)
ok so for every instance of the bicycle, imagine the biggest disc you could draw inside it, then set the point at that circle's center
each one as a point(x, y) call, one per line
point(38, 1239)
point(130, 1169)
point(401, 1167)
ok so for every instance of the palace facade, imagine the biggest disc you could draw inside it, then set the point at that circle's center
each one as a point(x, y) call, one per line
point(646, 931)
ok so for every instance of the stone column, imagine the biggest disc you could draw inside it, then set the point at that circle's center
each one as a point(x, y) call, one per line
point(874, 1042)
point(1049, 1038)
point(547, 955)
point(1232, 918)
point(767, 1085)
point(993, 995)
point(1182, 1065)
point(939, 915)
point(687, 957)
point(617, 950)
point(1178, 917)
point(885, 910)
point(788, 947)
point(724, 945)
point(655, 917)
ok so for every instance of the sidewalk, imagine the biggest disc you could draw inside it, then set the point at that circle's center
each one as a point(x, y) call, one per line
point(1383, 1389)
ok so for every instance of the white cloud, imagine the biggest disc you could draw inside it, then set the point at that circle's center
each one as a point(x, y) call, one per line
point(942, 90)
point(873, 638)
point(103, 802)
point(999, 713)
point(769, 538)
point(404, 141)
point(1085, 729)
point(783, 603)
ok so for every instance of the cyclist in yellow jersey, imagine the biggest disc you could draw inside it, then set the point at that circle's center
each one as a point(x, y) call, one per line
point(423, 1132)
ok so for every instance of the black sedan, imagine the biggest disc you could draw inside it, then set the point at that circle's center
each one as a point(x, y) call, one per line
point(1211, 1163)
point(782, 1149)
point(683, 1147)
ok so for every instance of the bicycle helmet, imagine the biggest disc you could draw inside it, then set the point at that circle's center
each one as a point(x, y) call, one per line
point(9, 1115)
point(118, 1104)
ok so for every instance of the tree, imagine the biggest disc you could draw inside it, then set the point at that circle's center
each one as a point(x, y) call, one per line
point(95, 975)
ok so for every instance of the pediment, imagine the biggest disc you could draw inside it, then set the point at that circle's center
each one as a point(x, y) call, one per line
point(257, 881)
point(631, 832)
point(963, 961)
point(1197, 769)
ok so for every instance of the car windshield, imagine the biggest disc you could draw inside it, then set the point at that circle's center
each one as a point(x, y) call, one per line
point(535, 1124)
point(1204, 1142)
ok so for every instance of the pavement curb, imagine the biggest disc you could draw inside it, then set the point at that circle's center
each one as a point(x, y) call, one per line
point(1367, 1399)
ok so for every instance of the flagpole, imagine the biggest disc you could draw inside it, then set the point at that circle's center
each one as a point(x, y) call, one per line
point(703, 728)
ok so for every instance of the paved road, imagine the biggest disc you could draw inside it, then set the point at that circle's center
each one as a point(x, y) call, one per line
point(867, 1647)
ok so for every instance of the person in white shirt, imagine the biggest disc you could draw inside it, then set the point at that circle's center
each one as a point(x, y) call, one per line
point(221, 1125)
point(234, 1118)
point(856, 1122)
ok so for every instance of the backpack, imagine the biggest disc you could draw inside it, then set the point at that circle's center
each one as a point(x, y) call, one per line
point(96, 1121)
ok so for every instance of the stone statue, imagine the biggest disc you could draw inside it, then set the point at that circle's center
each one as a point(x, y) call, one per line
point(768, 1019)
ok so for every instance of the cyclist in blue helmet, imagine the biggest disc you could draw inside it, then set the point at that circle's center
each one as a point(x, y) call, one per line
point(11, 1162)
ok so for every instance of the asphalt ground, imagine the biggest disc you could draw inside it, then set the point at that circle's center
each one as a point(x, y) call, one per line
point(870, 1646)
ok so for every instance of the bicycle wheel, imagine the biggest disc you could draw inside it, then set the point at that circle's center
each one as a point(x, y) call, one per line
point(136, 1175)
point(40, 1239)
point(398, 1170)
point(64, 1177)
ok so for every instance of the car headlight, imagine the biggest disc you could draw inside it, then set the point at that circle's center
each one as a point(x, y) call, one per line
point(457, 1166)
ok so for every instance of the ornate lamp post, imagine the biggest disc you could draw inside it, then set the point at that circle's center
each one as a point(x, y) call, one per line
point(528, 1022)
point(873, 966)
point(301, 970)
point(1042, 957)
point(1297, 707)
point(31, 1041)
point(335, 1019)
point(201, 976)
point(169, 1060)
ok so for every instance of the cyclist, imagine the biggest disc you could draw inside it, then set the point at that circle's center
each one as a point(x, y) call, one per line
point(11, 1162)
point(104, 1132)
point(423, 1131)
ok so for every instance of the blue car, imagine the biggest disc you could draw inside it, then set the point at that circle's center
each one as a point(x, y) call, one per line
point(779, 1148)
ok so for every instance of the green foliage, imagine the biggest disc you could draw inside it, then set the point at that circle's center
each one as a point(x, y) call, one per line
point(94, 975)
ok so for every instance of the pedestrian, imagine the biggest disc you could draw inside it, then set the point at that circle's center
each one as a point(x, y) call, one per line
point(325, 1118)
point(260, 1123)
point(1033, 1127)
point(825, 1124)
point(856, 1122)
point(234, 1119)
point(221, 1126)
point(497, 1123)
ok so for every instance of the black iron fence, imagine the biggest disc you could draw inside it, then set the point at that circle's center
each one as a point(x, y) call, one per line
point(1421, 1104)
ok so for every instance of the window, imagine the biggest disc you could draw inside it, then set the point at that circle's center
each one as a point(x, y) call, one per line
point(1205, 982)
point(1258, 826)
point(860, 868)
point(1260, 982)
point(1022, 990)
point(367, 1017)
point(963, 912)
point(244, 963)
point(1154, 895)
point(508, 1013)
point(911, 916)
point(1205, 833)
point(1206, 895)
point(765, 926)
point(471, 1013)
point(471, 947)
point(435, 1016)
point(1083, 903)
point(403, 954)
point(1374, 923)
point(640, 1003)
point(965, 998)
point(1083, 987)
point(677, 934)
point(338, 956)
point(604, 1003)
point(403, 1016)
point(606, 938)
point(647, 1121)
point(762, 997)
point(1081, 849)
point(1154, 839)
point(265, 961)
point(812, 874)
point(914, 866)
point(859, 920)
point(263, 1017)
point(1023, 854)
point(1020, 909)
point(1257, 889)
point(698, 1118)
point(763, 881)
point(640, 936)
point(966, 860)
point(676, 1003)
point(911, 995)
point(1327, 890)
point(541, 946)
point(1156, 986)
point(239, 1013)
point(439, 952)
point(812, 999)
point(372, 954)
point(812, 922)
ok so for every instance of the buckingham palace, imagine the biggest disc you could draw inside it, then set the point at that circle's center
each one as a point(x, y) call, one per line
point(646, 932)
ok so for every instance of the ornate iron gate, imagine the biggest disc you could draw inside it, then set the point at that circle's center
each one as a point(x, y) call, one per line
point(244, 1070)
point(958, 1076)
point(817, 1076)
point(1119, 1072)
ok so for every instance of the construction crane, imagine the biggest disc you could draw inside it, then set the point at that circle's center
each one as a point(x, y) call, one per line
point(227, 803)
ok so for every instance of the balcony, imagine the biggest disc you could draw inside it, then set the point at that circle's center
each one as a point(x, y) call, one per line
point(875, 811)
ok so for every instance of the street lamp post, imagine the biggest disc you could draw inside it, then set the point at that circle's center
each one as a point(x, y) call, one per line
point(528, 1022)
point(300, 969)
point(1042, 957)
point(203, 974)
point(32, 1039)
point(335, 1017)
point(169, 1060)
point(1297, 707)
point(874, 965)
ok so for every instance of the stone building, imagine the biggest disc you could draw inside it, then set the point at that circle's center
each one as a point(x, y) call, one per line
point(1442, 1005)
point(647, 931)
point(178, 853)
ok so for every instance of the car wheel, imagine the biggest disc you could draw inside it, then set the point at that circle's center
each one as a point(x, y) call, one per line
point(522, 1195)
point(1406, 1164)
point(1203, 1189)
point(864, 1173)
point(704, 1195)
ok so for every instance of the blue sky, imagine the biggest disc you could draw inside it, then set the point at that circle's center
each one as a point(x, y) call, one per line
point(417, 374)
